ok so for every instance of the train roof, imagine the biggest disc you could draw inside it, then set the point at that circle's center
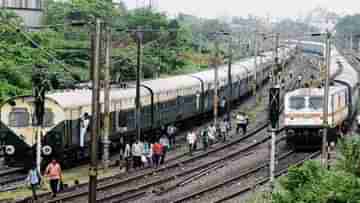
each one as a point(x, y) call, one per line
point(348, 75)
point(303, 92)
point(77, 98)
point(172, 83)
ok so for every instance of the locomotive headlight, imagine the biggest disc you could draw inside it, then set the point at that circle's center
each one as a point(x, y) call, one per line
point(9, 149)
point(47, 150)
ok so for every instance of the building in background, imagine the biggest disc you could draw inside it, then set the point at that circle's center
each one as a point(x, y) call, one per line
point(31, 11)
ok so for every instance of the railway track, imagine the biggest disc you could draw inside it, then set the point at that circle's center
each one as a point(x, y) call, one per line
point(243, 177)
point(11, 178)
point(260, 181)
point(185, 176)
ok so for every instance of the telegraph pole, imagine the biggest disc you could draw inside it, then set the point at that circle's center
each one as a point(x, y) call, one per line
point(255, 65)
point(95, 124)
point(229, 77)
point(326, 101)
point(216, 84)
point(39, 87)
point(276, 55)
point(139, 37)
point(106, 141)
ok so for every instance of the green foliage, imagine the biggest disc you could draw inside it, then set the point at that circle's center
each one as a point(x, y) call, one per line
point(312, 183)
point(349, 158)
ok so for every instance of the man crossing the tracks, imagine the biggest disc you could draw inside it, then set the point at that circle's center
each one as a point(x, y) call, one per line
point(137, 151)
point(164, 141)
point(157, 149)
point(223, 129)
point(191, 138)
point(127, 156)
point(171, 131)
point(53, 172)
point(205, 138)
point(241, 122)
point(212, 134)
point(34, 179)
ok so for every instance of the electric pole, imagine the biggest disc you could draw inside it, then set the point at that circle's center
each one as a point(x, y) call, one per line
point(106, 141)
point(139, 37)
point(39, 88)
point(255, 65)
point(95, 111)
point(276, 56)
point(229, 78)
point(216, 83)
point(326, 100)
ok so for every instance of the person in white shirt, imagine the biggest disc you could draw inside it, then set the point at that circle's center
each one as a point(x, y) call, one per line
point(224, 129)
point(165, 142)
point(84, 124)
point(212, 134)
point(127, 156)
point(241, 122)
point(171, 130)
point(191, 138)
point(137, 151)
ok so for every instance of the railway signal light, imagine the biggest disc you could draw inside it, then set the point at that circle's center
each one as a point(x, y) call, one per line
point(274, 106)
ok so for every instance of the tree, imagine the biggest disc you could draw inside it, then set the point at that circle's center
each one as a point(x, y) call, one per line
point(349, 159)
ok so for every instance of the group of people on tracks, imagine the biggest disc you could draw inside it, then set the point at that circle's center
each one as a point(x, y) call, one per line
point(52, 172)
point(209, 135)
point(143, 153)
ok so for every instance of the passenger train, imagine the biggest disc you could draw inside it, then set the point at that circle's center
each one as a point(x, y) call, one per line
point(303, 112)
point(163, 101)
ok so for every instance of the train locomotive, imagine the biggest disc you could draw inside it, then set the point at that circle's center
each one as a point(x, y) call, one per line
point(303, 112)
point(163, 101)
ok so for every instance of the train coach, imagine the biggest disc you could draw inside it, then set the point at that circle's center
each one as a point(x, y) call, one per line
point(303, 112)
point(163, 101)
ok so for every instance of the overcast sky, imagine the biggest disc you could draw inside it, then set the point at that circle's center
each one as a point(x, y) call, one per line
point(274, 8)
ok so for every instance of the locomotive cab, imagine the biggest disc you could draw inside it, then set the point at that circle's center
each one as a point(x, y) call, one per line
point(18, 133)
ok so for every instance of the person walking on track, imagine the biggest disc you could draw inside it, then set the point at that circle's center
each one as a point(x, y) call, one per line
point(191, 138)
point(241, 122)
point(157, 151)
point(127, 156)
point(205, 138)
point(53, 172)
point(171, 131)
point(212, 134)
point(223, 129)
point(164, 141)
point(137, 151)
point(34, 179)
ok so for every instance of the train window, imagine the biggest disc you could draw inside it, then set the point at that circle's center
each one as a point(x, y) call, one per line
point(315, 102)
point(19, 117)
point(48, 118)
point(297, 102)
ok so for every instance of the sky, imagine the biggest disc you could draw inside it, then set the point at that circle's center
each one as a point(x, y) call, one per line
point(263, 8)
